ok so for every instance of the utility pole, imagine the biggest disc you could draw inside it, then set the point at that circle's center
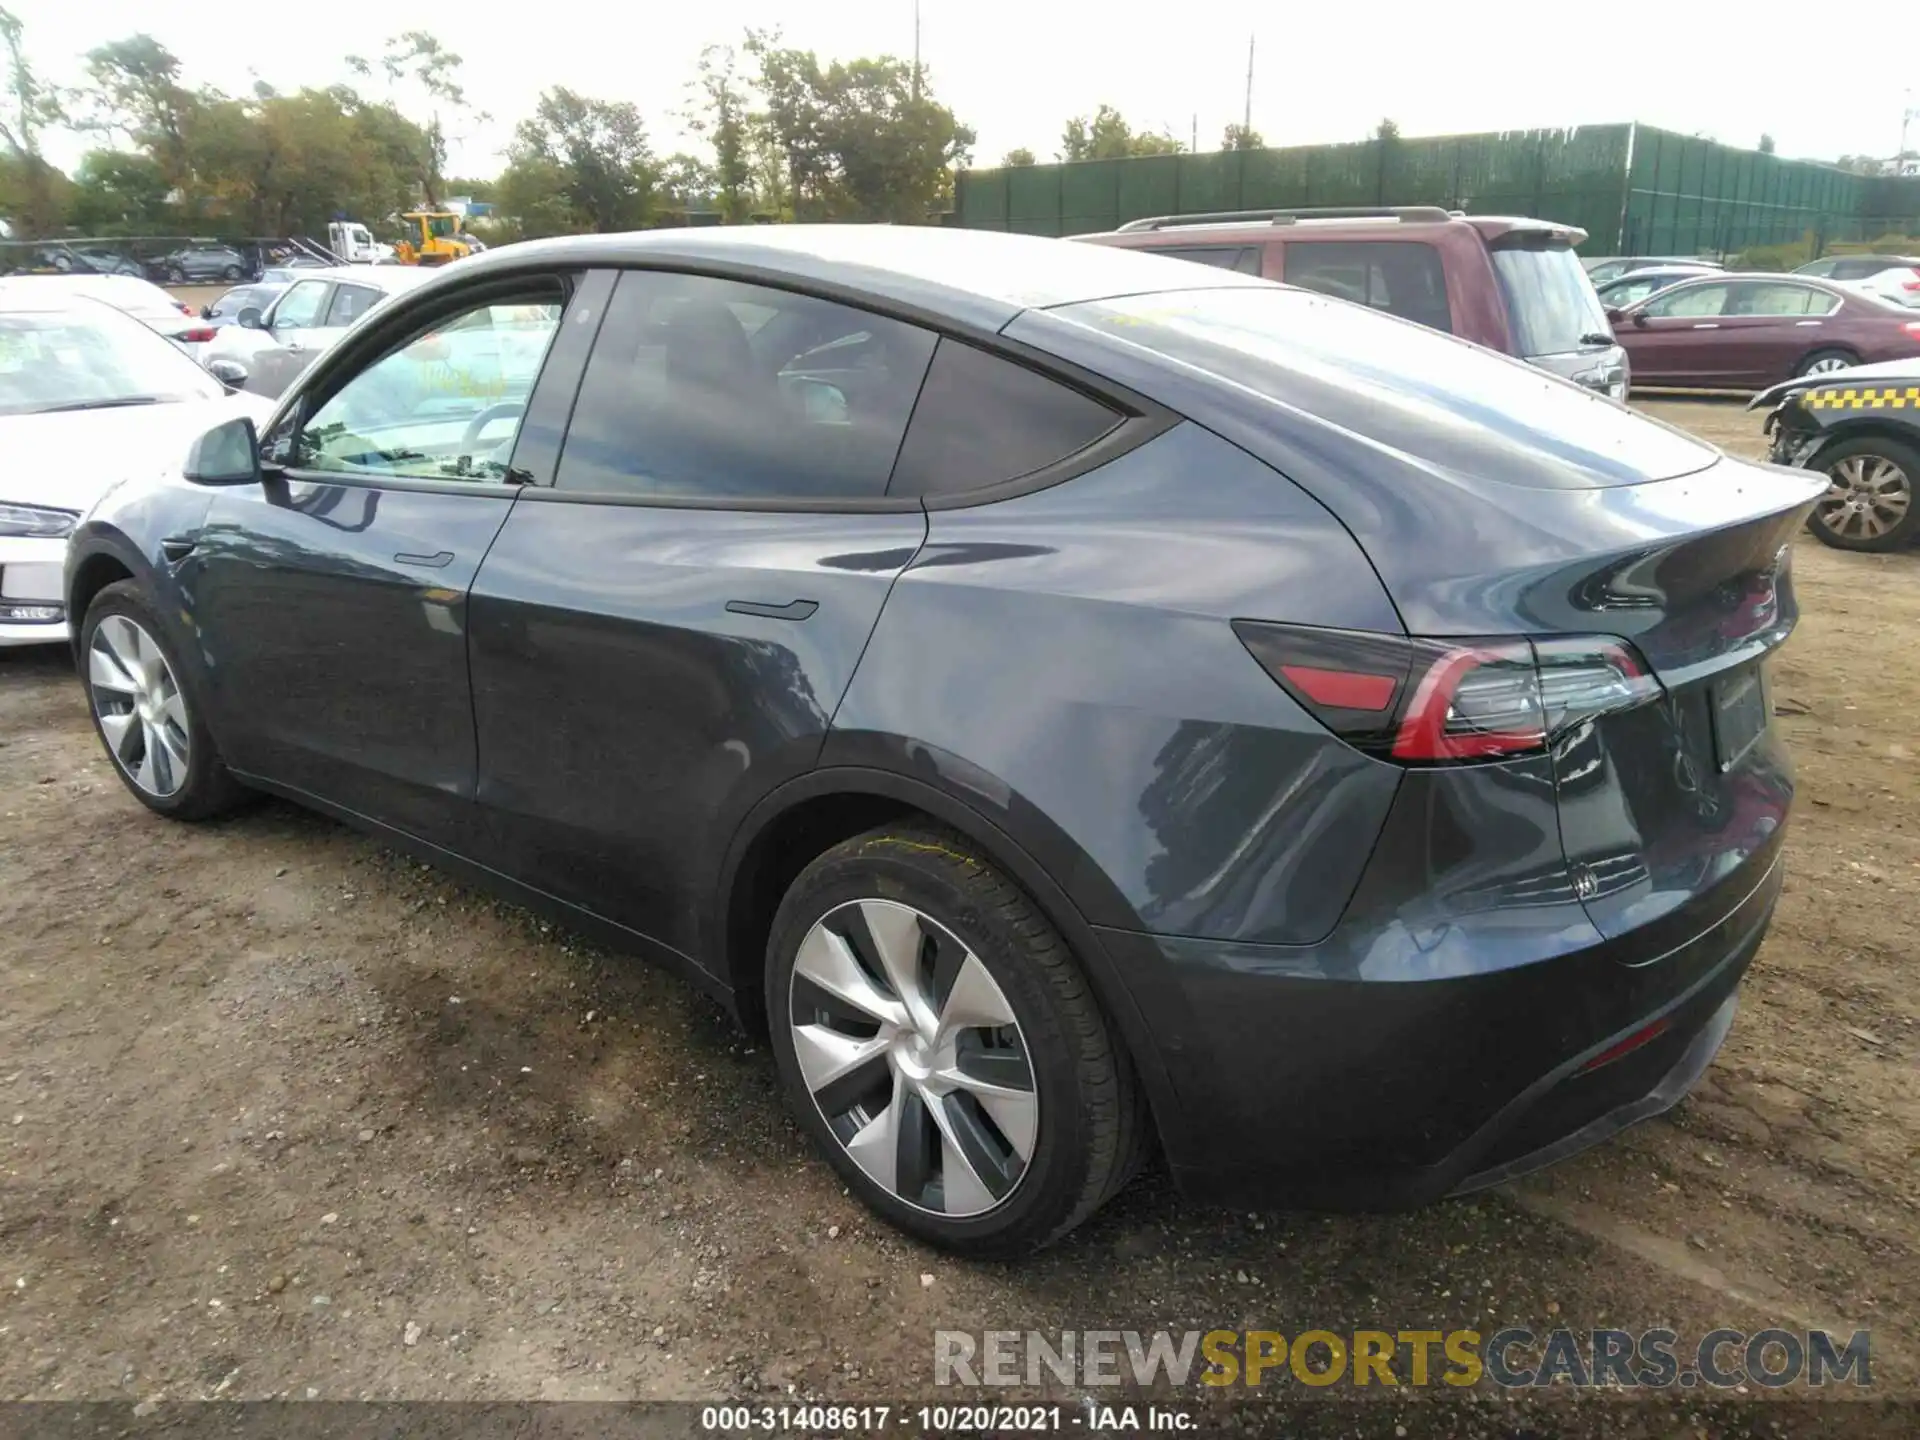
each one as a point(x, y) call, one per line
point(916, 50)
point(1193, 140)
point(1246, 115)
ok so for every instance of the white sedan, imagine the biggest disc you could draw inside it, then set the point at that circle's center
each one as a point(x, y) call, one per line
point(129, 294)
point(89, 398)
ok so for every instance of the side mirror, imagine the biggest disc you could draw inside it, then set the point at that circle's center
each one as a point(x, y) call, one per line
point(250, 318)
point(228, 454)
point(230, 373)
point(1613, 314)
point(206, 312)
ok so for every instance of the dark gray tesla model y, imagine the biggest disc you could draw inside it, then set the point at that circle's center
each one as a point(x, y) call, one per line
point(1081, 704)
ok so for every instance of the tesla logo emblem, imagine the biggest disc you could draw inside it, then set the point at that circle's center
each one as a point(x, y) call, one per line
point(1584, 884)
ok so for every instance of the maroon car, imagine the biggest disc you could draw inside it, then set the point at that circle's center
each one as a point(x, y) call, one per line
point(1746, 331)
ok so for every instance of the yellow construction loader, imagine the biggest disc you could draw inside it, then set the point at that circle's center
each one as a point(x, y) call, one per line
point(433, 237)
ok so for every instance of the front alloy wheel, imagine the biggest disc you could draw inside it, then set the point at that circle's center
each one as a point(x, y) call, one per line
point(913, 1057)
point(144, 705)
point(137, 701)
point(1869, 504)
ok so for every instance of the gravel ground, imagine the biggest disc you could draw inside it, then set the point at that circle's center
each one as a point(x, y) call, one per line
point(284, 1114)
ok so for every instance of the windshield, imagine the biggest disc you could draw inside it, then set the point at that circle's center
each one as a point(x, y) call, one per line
point(67, 360)
point(1550, 300)
point(441, 226)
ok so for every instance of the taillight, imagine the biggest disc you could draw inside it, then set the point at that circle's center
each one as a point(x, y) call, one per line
point(1912, 327)
point(1912, 282)
point(204, 332)
point(1439, 702)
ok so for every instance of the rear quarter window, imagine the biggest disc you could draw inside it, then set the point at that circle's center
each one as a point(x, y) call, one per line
point(1403, 277)
point(982, 420)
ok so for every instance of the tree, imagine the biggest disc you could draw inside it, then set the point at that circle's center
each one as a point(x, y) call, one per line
point(861, 139)
point(722, 117)
point(1242, 137)
point(1019, 155)
point(418, 66)
point(1386, 131)
point(585, 158)
point(1766, 144)
point(690, 183)
point(134, 92)
point(33, 190)
point(1105, 135)
point(119, 190)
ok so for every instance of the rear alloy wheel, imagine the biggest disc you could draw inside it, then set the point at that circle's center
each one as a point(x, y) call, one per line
point(176, 276)
point(145, 714)
point(940, 1044)
point(1869, 504)
point(1825, 362)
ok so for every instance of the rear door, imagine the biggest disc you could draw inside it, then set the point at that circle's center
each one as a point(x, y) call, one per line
point(1769, 325)
point(663, 634)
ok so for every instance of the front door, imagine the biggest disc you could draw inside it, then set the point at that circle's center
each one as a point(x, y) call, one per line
point(1675, 338)
point(335, 595)
point(291, 327)
point(662, 637)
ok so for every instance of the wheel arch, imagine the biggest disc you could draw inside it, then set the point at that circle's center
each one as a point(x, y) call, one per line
point(809, 814)
point(100, 563)
point(1863, 427)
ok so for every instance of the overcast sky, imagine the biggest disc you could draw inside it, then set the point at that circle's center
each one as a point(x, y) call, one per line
point(1017, 69)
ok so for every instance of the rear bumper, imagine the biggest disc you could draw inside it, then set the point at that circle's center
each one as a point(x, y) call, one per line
point(1290, 1089)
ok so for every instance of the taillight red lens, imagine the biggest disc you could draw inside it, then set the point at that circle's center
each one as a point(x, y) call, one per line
point(1437, 702)
point(1912, 327)
point(197, 335)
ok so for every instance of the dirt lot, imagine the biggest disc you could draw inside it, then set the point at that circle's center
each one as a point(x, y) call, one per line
point(282, 1114)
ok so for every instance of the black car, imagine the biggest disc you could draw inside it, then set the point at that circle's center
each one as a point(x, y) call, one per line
point(1079, 704)
point(200, 262)
point(1860, 428)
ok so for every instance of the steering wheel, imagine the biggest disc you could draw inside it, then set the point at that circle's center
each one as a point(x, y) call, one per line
point(499, 411)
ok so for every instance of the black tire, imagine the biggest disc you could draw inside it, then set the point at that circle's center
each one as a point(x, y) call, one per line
point(208, 789)
point(1820, 357)
point(1092, 1127)
point(232, 272)
point(176, 276)
point(1831, 518)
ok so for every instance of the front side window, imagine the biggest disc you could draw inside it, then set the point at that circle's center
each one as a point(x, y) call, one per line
point(1403, 277)
point(1630, 291)
point(446, 405)
point(349, 303)
point(299, 308)
point(704, 388)
point(1690, 301)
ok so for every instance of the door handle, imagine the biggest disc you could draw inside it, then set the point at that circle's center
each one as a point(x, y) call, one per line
point(1707, 325)
point(1802, 324)
point(793, 610)
point(177, 547)
point(437, 561)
